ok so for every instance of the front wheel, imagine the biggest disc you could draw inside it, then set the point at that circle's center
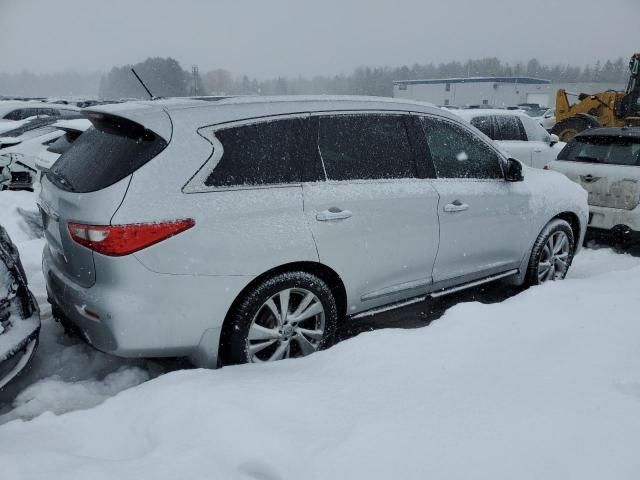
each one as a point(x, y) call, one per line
point(552, 253)
point(289, 315)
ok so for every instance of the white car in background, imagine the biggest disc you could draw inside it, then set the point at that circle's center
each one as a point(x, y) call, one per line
point(12, 111)
point(71, 130)
point(548, 119)
point(18, 156)
point(606, 163)
point(519, 135)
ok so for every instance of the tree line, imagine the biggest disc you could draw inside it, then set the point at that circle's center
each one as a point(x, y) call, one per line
point(165, 77)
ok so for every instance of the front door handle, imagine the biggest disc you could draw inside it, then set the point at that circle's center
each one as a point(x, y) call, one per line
point(333, 213)
point(456, 206)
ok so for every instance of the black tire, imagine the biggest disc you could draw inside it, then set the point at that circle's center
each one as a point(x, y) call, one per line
point(568, 128)
point(235, 348)
point(538, 251)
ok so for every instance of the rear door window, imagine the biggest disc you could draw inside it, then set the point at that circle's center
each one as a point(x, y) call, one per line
point(264, 153)
point(484, 124)
point(104, 155)
point(458, 153)
point(508, 127)
point(365, 147)
point(602, 149)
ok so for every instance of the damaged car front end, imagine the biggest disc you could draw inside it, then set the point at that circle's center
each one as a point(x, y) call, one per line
point(19, 314)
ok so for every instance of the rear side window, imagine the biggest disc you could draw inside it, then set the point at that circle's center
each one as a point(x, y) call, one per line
point(262, 154)
point(365, 147)
point(508, 127)
point(458, 153)
point(608, 150)
point(104, 155)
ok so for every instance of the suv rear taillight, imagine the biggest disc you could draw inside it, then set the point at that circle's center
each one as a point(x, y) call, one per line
point(119, 240)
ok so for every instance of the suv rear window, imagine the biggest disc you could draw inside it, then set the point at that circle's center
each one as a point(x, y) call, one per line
point(602, 149)
point(104, 155)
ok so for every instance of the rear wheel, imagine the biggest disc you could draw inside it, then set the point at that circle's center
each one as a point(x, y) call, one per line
point(290, 315)
point(568, 128)
point(552, 253)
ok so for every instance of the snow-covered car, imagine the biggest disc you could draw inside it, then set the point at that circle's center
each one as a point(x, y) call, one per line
point(71, 129)
point(20, 110)
point(18, 156)
point(244, 230)
point(548, 119)
point(606, 163)
point(19, 314)
point(515, 132)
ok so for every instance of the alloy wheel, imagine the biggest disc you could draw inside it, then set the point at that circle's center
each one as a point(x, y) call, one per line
point(554, 258)
point(289, 324)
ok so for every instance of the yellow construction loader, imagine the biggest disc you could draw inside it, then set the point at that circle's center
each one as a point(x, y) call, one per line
point(604, 109)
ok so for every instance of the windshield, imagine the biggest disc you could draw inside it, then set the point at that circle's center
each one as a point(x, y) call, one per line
point(602, 149)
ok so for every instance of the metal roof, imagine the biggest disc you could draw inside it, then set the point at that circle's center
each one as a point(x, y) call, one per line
point(514, 80)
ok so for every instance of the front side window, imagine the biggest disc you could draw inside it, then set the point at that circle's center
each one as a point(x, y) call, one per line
point(535, 132)
point(458, 153)
point(365, 147)
point(608, 150)
point(261, 154)
point(508, 127)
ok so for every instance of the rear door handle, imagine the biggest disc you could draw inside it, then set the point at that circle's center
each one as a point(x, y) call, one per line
point(333, 213)
point(456, 206)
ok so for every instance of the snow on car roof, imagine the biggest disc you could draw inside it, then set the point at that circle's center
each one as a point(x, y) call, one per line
point(198, 113)
point(78, 124)
point(621, 132)
point(482, 112)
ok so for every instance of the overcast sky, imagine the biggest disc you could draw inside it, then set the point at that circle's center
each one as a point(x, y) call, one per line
point(290, 37)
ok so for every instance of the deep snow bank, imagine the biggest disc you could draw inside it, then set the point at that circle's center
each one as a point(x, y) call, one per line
point(545, 385)
point(64, 374)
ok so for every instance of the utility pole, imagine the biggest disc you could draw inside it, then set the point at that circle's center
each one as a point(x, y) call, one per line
point(196, 83)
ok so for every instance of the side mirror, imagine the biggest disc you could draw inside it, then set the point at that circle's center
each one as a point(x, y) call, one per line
point(554, 139)
point(513, 171)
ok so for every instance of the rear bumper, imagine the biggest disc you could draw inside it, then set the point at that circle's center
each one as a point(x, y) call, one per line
point(133, 312)
point(604, 218)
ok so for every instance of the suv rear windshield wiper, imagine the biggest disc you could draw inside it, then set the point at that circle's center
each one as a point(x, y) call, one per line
point(60, 179)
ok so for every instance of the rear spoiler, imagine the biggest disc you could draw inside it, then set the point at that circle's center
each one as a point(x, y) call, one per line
point(150, 117)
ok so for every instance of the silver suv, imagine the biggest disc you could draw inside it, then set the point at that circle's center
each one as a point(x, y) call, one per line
point(244, 230)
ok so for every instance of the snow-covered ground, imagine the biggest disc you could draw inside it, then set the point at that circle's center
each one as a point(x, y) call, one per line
point(545, 384)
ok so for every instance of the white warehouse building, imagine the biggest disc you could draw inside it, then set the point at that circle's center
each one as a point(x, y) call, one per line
point(490, 91)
